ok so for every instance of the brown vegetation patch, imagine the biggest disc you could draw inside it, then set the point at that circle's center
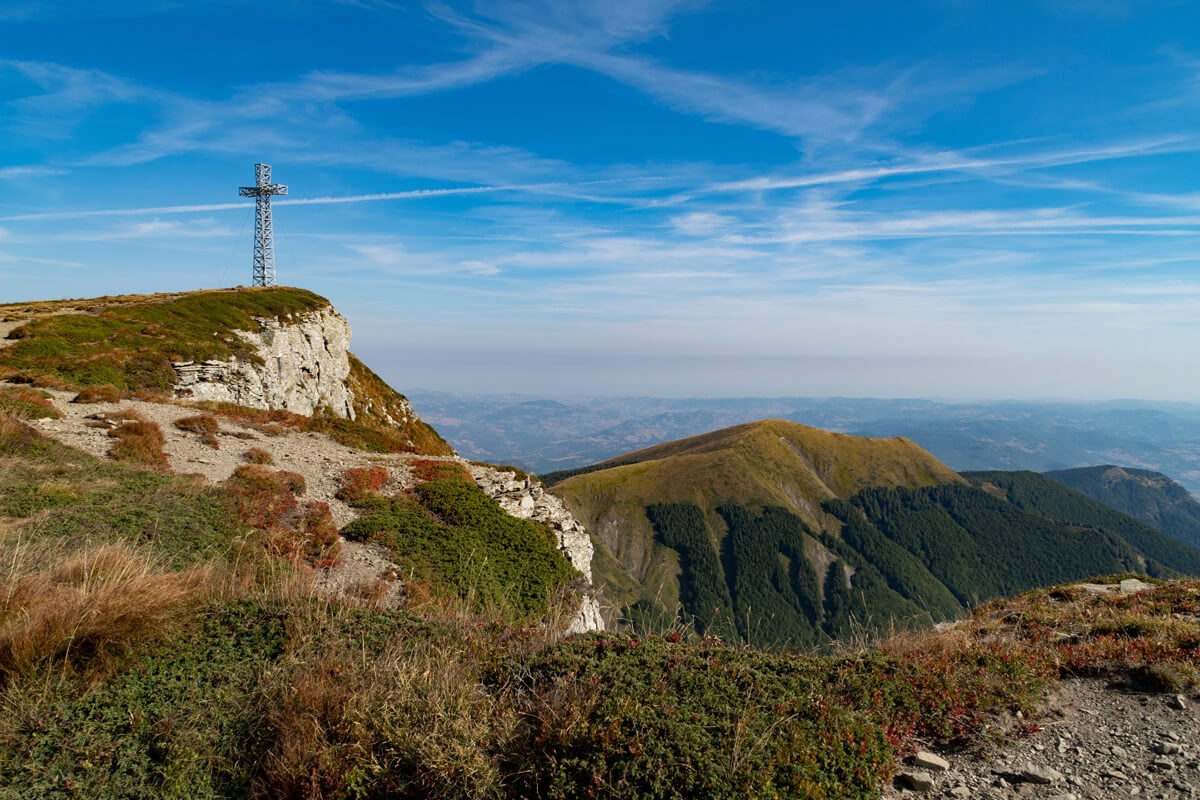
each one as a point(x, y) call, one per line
point(429, 470)
point(357, 483)
point(265, 499)
point(101, 393)
point(205, 425)
point(27, 403)
point(139, 441)
point(90, 608)
point(257, 455)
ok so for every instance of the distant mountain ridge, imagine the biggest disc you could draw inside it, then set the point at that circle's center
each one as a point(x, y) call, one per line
point(543, 436)
point(781, 534)
point(1148, 496)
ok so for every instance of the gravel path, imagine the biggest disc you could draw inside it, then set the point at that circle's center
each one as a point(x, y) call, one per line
point(1098, 740)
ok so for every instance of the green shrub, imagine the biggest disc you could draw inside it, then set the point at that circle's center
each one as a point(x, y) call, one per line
point(625, 717)
point(183, 720)
point(458, 538)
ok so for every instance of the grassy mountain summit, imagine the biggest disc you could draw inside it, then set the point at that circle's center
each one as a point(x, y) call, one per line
point(771, 462)
point(127, 345)
point(784, 535)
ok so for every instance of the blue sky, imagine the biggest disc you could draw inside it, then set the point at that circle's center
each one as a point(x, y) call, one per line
point(940, 198)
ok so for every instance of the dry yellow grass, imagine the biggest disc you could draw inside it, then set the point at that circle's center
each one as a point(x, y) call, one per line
point(88, 608)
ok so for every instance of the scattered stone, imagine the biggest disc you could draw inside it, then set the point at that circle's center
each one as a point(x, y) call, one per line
point(915, 779)
point(960, 791)
point(1166, 748)
point(1178, 702)
point(931, 761)
point(1034, 773)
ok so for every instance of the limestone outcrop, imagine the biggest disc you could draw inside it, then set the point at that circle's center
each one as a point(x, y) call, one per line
point(527, 499)
point(304, 366)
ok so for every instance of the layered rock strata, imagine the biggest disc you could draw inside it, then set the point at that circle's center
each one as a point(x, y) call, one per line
point(304, 366)
point(527, 499)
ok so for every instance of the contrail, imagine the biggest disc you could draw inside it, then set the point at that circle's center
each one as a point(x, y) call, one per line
point(294, 201)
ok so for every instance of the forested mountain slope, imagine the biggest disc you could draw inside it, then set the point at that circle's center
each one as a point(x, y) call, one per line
point(783, 535)
point(1148, 496)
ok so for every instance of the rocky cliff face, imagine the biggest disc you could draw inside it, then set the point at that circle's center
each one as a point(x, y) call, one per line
point(304, 366)
point(526, 499)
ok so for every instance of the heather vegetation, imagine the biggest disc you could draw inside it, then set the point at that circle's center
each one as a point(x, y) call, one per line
point(448, 534)
point(159, 638)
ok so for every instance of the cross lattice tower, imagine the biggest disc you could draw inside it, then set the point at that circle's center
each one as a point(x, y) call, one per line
point(264, 238)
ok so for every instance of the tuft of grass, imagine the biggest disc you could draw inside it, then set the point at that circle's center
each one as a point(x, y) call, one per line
point(359, 483)
point(139, 441)
point(205, 425)
point(101, 393)
point(411, 720)
point(257, 455)
point(89, 609)
point(24, 402)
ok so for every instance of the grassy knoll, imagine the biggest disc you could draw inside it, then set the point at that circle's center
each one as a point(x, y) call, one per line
point(130, 345)
point(112, 347)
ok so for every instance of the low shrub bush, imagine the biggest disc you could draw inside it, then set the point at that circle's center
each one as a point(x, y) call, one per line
point(257, 455)
point(357, 483)
point(24, 402)
point(205, 425)
point(430, 470)
point(100, 393)
point(260, 497)
point(454, 535)
point(140, 441)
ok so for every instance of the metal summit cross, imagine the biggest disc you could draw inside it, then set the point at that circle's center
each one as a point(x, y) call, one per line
point(264, 239)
